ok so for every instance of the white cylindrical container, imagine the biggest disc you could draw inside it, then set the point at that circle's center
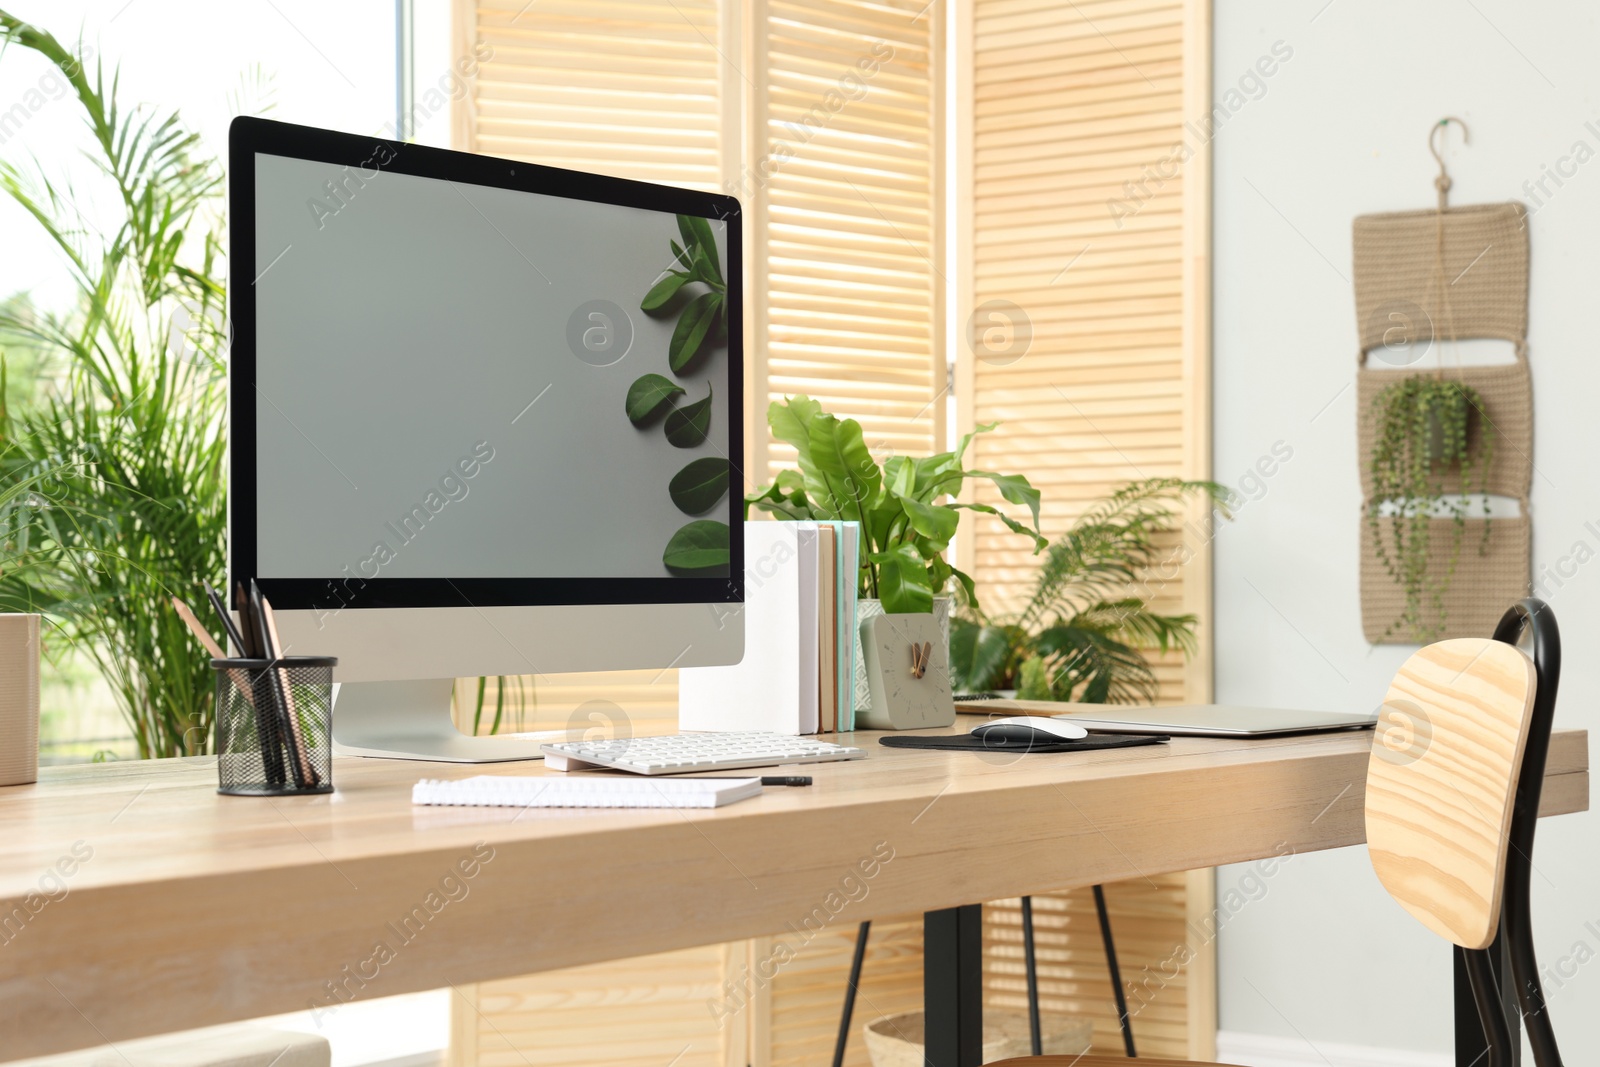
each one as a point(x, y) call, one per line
point(19, 699)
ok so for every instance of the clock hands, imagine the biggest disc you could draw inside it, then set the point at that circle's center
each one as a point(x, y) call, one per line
point(920, 655)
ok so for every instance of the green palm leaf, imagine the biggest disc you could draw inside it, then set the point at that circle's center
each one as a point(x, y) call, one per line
point(124, 461)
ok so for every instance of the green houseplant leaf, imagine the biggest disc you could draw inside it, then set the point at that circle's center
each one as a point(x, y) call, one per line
point(699, 548)
point(1033, 680)
point(1039, 541)
point(984, 655)
point(900, 505)
point(935, 522)
point(688, 426)
point(1089, 623)
point(903, 583)
point(791, 423)
point(785, 498)
point(699, 486)
point(134, 509)
point(648, 396)
point(839, 470)
point(694, 325)
point(1015, 488)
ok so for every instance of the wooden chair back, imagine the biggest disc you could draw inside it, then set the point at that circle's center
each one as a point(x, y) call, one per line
point(1446, 756)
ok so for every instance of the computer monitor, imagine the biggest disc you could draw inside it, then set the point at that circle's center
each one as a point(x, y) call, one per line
point(469, 435)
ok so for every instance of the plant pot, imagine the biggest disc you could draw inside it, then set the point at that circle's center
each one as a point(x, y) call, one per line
point(19, 699)
point(867, 608)
point(898, 1040)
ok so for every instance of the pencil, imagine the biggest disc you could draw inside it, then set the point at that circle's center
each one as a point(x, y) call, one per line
point(240, 678)
point(200, 632)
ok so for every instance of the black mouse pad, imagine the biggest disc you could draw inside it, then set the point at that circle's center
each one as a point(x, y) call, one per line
point(969, 743)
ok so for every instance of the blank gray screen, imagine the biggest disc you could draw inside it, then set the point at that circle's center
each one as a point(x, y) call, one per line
point(420, 410)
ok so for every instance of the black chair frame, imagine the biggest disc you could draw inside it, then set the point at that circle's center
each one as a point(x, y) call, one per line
point(1531, 617)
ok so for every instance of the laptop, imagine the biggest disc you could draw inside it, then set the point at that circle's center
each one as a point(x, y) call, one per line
point(1184, 720)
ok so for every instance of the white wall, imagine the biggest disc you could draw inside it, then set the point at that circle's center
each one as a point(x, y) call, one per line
point(1323, 955)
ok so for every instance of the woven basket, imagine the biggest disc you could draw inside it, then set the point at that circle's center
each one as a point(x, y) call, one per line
point(1478, 594)
point(1422, 278)
point(1485, 274)
point(1507, 393)
point(898, 1040)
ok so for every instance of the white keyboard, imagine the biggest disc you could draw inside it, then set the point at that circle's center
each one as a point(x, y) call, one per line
point(678, 753)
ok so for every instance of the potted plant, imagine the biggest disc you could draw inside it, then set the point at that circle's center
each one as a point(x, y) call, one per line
point(133, 510)
point(1426, 427)
point(1082, 634)
point(906, 509)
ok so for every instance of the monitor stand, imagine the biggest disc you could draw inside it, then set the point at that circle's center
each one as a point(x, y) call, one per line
point(411, 720)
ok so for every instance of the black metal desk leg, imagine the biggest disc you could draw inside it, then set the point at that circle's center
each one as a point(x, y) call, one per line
point(952, 985)
point(1472, 1050)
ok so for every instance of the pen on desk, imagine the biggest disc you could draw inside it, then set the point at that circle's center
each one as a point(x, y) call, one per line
point(778, 779)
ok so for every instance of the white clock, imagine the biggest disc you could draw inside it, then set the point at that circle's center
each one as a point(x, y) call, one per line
point(908, 669)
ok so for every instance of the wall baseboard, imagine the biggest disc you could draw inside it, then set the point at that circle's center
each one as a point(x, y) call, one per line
point(1260, 1050)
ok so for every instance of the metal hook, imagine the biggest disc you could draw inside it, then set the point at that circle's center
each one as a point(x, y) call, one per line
point(1442, 182)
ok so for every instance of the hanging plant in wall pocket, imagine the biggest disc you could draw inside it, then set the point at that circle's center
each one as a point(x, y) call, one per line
point(1437, 437)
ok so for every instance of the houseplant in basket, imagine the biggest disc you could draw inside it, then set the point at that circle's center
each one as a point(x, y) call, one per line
point(1426, 428)
point(906, 507)
point(1083, 633)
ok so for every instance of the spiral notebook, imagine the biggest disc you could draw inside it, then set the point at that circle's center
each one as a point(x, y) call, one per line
point(596, 791)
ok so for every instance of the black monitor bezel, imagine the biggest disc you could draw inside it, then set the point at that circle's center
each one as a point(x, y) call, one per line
point(249, 136)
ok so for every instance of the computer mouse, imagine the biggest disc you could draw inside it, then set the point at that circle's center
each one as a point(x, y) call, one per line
point(1038, 728)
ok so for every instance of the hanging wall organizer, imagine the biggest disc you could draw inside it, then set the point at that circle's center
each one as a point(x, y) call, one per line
point(1424, 280)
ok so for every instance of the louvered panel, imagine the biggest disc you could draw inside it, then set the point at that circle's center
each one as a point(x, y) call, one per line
point(1028, 58)
point(570, 1018)
point(847, 295)
point(807, 992)
point(630, 89)
point(1149, 921)
point(1070, 104)
point(1123, 95)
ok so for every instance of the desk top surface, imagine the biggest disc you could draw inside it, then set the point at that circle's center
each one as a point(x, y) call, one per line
point(159, 820)
point(142, 902)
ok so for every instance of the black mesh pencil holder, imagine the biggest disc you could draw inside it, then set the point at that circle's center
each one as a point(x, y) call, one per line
point(275, 725)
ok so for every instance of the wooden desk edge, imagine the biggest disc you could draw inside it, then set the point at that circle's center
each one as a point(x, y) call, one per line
point(946, 860)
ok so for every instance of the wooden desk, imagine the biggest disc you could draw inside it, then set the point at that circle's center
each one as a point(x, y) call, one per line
point(184, 908)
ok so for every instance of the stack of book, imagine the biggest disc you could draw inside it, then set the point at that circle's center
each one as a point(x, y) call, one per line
point(798, 671)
